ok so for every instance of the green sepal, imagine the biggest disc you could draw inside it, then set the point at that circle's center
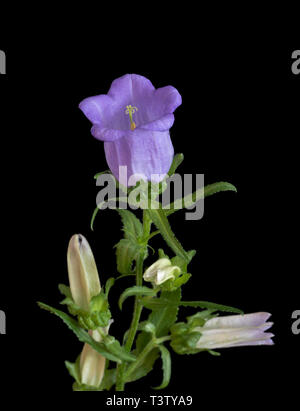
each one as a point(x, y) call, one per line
point(74, 369)
point(185, 342)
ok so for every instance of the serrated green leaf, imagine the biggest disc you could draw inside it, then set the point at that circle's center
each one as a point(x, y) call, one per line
point(177, 160)
point(211, 306)
point(132, 226)
point(135, 290)
point(200, 194)
point(83, 336)
point(158, 303)
point(166, 366)
point(158, 216)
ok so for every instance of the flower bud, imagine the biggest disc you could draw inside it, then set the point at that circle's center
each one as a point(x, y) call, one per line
point(92, 364)
point(235, 331)
point(161, 271)
point(83, 274)
point(85, 284)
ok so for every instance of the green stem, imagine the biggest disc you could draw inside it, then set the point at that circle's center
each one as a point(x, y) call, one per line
point(137, 304)
point(140, 358)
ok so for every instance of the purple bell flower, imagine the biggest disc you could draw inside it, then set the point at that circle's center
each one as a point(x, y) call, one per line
point(133, 120)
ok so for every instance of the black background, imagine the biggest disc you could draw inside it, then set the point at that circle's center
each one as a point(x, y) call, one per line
point(239, 122)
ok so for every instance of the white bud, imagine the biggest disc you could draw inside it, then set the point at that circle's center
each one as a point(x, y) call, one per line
point(161, 271)
point(85, 284)
point(83, 274)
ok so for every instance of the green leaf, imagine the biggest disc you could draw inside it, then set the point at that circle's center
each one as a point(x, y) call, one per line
point(166, 366)
point(166, 316)
point(83, 336)
point(162, 317)
point(159, 218)
point(177, 160)
point(145, 367)
point(211, 306)
point(135, 290)
point(126, 252)
point(200, 194)
point(74, 369)
point(132, 226)
point(159, 303)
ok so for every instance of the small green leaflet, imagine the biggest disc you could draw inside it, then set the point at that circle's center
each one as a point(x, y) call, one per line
point(166, 366)
point(191, 199)
point(108, 349)
point(135, 290)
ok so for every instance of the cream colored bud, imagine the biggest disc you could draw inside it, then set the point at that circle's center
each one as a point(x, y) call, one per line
point(85, 284)
point(83, 274)
point(92, 364)
point(161, 271)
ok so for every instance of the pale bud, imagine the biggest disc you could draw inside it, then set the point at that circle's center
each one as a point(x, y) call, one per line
point(83, 274)
point(85, 284)
point(161, 271)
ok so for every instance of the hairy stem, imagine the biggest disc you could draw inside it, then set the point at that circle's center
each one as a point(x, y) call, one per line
point(137, 304)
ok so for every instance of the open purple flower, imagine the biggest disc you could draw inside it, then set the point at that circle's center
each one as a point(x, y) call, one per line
point(133, 120)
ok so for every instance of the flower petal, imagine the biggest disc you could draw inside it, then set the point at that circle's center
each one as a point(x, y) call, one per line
point(144, 152)
point(238, 321)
